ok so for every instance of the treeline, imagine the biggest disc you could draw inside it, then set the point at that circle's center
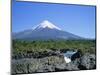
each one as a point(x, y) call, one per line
point(39, 46)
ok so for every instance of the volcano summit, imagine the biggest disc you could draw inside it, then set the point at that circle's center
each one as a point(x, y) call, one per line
point(45, 31)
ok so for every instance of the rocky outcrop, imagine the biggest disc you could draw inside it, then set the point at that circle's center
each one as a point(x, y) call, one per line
point(88, 61)
point(29, 54)
point(53, 64)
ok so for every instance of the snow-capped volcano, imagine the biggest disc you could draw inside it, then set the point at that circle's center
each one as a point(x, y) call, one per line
point(46, 24)
point(45, 31)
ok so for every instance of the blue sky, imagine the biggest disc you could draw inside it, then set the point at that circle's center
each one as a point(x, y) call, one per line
point(76, 19)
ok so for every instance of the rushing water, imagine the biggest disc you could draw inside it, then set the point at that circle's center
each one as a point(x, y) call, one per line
point(68, 55)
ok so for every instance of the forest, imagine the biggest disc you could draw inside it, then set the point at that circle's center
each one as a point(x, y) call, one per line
point(84, 46)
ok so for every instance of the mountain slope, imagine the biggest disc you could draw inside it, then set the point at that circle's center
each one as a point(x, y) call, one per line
point(45, 31)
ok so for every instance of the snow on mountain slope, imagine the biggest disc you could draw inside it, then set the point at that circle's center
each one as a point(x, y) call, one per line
point(45, 31)
point(46, 24)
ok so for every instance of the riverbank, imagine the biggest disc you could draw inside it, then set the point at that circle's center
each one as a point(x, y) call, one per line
point(53, 63)
point(48, 56)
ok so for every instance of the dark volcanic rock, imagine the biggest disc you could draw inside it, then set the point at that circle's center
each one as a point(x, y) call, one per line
point(60, 67)
point(76, 55)
point(88, 61)
point(53, 64)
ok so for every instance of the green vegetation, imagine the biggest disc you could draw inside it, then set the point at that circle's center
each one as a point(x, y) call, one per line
point(41, 46)
point(37, 56)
